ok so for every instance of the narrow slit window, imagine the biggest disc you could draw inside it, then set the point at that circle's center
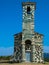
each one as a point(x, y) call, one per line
point(28, 10)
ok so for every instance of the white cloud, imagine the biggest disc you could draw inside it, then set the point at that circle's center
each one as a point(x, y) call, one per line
point(6, 51)
point(46, 49)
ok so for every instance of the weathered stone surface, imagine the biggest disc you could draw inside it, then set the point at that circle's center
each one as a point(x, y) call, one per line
point(36, 48)
point(28, 40)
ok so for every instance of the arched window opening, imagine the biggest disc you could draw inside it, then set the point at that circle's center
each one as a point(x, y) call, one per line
point(28, 9)
point(27, 45)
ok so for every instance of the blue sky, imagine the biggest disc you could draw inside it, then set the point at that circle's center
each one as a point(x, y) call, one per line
point(11, 23)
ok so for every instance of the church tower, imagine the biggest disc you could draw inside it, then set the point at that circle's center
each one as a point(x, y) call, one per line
point(28, 30)
point(28, 20)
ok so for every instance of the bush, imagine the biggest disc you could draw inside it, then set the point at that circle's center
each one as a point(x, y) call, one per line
point(46, 59)
point(5, 57)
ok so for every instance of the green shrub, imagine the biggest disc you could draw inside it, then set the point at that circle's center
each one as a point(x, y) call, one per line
point(46, 59)
point(5, 57)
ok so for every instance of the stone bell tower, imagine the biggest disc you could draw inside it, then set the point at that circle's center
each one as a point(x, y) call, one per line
point(28, 30)
point(28, 20)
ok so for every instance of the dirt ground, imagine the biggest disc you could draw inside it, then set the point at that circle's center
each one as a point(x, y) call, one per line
point(23, 64)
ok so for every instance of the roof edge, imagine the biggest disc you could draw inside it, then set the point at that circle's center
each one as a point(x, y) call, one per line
point(28, 3)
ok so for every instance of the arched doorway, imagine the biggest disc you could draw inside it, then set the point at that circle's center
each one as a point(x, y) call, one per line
point(28, 50)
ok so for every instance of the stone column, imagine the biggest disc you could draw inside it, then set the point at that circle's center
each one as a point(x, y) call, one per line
point(33, 53)
point(42, 54)
point(23, 53)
